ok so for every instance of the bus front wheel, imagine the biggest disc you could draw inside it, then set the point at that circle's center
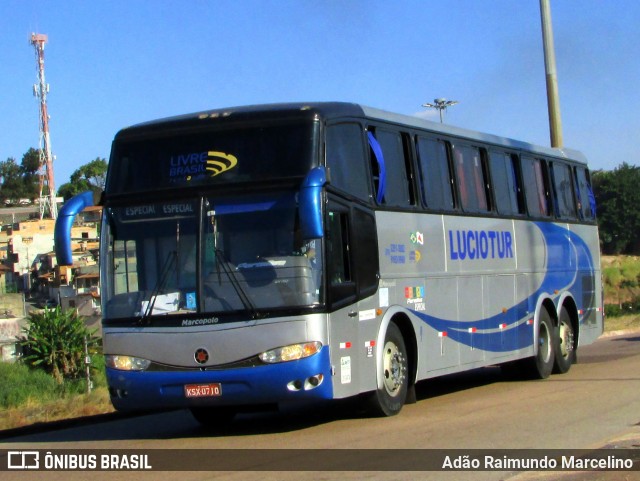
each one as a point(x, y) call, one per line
point(388, 399)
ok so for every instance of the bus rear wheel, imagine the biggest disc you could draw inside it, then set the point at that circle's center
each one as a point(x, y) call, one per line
point(388, 399)
point(541, 365)
point(564, 343)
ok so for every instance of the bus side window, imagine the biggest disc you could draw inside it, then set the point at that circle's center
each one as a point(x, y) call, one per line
point(409, 155)
point(506, 183)
point(393, 178)
point(365, 251)
point(345, 157)
point(435, 175)
point(563, 190)
point(470, 173)
point(342, 288)
point(398, 178)
point(125, 266)
point(586, 199)
point(537, 187)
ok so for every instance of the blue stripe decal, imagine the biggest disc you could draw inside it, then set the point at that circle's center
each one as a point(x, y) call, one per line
point(224, 207)
point(563, 247)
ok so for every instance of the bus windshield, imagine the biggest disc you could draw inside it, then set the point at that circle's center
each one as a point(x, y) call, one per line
point(212, 255)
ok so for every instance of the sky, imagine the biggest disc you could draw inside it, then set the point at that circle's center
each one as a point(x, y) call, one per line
point(111, 64)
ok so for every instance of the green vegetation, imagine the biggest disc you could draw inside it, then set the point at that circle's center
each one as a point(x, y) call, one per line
point(29, 395)
point(621, 284)
point(622, 323)
point(48, 382)
point(22, 385)
point(618, 209)
point(56, 341)
point(21, 182)
point(90, 176)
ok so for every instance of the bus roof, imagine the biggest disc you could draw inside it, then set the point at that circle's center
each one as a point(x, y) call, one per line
point(335, 110)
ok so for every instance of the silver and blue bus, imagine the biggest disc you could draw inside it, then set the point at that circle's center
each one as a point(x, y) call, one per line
point(274, 254)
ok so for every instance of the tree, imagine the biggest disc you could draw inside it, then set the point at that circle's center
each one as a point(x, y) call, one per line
point(618, 200)
point(12, 186)
point(20, 181)
point(29, 172)
point(90, 176)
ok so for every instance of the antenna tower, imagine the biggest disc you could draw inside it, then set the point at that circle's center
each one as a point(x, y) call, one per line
point(45, 170)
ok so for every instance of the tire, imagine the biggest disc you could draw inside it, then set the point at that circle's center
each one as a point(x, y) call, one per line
point(541, 365)
point(214, 417)
point(564, 343)
point(392, 395)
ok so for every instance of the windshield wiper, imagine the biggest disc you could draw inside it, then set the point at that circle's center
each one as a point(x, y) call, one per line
point(221, 261)
point(172, 256)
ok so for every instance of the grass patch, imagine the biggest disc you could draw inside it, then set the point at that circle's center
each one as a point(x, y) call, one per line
point(620, 323)
point(67, 407)
point(621, 280)
point(20, 385)
point(29, 396)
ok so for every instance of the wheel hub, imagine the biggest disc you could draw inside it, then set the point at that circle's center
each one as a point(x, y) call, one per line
point(566, 340)
point(394, 369)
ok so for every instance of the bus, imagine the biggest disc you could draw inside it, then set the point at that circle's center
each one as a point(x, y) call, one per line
point(258, 256)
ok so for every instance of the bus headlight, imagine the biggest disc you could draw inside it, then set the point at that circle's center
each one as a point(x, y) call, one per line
point(290, 353)
point(126, 363)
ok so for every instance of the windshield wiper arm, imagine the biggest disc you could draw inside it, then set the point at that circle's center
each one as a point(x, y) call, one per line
point(160, 284)
point(222, 261)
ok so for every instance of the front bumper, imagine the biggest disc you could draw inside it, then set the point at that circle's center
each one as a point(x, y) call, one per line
point(266, 384)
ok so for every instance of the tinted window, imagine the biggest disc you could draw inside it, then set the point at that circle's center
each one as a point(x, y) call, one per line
point(536, 187)
point(586, 200)
point(505, 182)
point(212, 156)
point(435, 174)
point(342, 287)
point(563, 189)
point(346, 159)
point(397, 190)
point(365, 251)
point(471, 182)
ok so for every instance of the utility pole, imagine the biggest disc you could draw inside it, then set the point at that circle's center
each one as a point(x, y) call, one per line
point(553, 101)
point(440, 105)
point(45, 170)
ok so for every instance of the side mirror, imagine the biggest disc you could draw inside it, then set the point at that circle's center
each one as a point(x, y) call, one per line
point(64, 222)
point(310, 204)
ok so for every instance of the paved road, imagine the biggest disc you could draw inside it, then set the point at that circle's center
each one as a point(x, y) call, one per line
point(596, 404)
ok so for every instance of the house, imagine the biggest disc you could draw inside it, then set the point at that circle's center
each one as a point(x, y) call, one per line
point(30, 248)
point(28, 267)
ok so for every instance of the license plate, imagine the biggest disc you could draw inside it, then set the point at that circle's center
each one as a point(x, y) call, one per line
point(203, 390)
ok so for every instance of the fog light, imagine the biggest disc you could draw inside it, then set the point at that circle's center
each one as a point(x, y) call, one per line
point(313, 382)
point(294, 385)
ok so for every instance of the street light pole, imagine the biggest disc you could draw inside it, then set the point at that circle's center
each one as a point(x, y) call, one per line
point(553, 101)
point(440, 105)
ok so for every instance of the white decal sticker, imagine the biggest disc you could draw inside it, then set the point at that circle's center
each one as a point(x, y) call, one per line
point(367, 315)
point(384, 297)
point(345, 370)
